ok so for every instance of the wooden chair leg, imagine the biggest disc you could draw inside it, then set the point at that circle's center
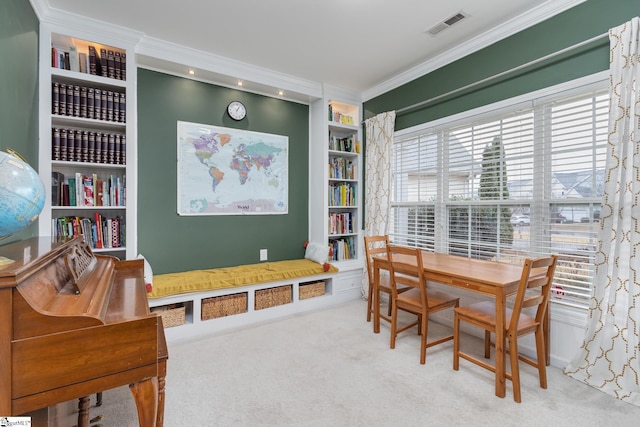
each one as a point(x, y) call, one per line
point(515, 367)
point(456, 342)
point(542, 357)
point(394, 326)
point(424, 327)
point(99, 399)
point(370, 302)
point(487, 344)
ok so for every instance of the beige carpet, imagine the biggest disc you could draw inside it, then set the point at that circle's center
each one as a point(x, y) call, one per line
point(327, 368)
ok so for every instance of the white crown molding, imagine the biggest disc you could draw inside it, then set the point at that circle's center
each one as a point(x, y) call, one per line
point(303, 89)
point(192, 58)
point(509, 28)
point(88, 27)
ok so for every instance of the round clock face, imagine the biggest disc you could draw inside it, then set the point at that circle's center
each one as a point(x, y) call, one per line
point(237, 110)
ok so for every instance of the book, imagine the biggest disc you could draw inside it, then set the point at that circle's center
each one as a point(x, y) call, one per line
point(69, 100)
point(97, 104)
point(85, 145)
point(104, 70)
point(71, 145)
point(87, 231)
point(87, 185)
point(118, 65)
point(83, 62)
point(123, 149)
point(72, 191)
point(63, 144)
point(111, 64)
point(74, 60)
point(104, 105)
point(76, 101)
point(83, 101)
point(115, 232)
point(111, 147)
point(109, 116)
point(79, 189)
point(55, 144)
point(62, 99)
point(123, 66)
point(116, 107)
point(91, 146)
point(98, 230)
point(94, 61)
point(55, 98)
point(123, 108)
point(54, 57)
point(100, 192)
point(95, 189)
point(65, 195)
point(57, 178)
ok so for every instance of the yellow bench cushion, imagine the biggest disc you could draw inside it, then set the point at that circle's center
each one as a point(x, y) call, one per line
point(229, 277)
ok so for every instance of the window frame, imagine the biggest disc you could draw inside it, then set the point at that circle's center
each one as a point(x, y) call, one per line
point(539, 202)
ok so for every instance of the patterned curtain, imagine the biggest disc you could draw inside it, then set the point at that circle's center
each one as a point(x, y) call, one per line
point(377, 179)
point(609, 358)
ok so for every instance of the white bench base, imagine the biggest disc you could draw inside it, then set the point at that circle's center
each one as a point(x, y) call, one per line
point(340, 287)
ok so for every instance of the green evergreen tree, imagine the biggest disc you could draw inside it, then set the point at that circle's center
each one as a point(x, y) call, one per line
point(493, 186)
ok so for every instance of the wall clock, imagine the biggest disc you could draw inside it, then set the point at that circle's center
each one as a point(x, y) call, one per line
point(236, 110)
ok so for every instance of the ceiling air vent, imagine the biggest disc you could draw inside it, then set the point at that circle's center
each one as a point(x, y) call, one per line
point(441, 26)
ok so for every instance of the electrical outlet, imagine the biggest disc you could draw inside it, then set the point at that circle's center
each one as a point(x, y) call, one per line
point(263, 255)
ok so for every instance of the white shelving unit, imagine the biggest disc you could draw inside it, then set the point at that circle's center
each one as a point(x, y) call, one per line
point(336, 168)
point(104, 140)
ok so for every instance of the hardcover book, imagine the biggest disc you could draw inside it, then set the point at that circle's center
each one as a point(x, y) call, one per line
point(87, 184)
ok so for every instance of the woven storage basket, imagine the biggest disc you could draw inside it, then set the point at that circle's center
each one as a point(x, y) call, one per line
point(172, 315)
point(310, 290)
point(224, 305)
point(272, 297)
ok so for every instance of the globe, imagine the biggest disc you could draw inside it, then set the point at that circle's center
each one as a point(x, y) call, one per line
point(22, 195)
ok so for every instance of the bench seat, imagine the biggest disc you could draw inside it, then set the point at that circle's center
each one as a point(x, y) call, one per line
point(231, 277)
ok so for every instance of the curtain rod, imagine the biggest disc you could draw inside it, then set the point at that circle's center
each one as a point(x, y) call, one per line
point(495, 76)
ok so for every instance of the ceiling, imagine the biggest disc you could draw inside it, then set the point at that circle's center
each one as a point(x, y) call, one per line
point(364, 46)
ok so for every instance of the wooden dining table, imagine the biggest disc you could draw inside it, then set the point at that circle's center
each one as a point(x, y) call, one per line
point(492, 278)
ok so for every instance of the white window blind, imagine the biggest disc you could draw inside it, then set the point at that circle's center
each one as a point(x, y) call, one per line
point(522, 181)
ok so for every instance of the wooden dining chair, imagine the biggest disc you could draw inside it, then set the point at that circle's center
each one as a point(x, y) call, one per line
point(377, 246)
point(406, 269)
point(533, 296)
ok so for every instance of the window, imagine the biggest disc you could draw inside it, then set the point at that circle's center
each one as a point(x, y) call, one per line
point(506, 183)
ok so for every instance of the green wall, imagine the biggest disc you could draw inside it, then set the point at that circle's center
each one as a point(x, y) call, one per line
point(19, 87)
point(585, 21)
point(177, 243)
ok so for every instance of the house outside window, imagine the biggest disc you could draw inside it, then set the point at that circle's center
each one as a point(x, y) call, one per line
point(524, 179)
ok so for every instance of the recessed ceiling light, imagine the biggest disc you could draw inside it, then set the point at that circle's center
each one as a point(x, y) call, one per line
point(281, 92)
point(239, 82)
point(192, 72)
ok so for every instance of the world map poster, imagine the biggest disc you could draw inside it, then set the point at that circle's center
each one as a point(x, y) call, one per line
point(225, 171)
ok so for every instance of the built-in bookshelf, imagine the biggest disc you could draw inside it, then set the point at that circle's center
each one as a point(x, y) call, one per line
point(335, 215)
point(343, 198)
point(86, 140)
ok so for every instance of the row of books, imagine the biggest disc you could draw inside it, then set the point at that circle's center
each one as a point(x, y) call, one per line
point(338, 117)
point(75, 145)
point(343, 249)
point(341, 223)
point(87, 190)
point(348, 144)
point(341, 168)
point(107, 63)
point(88, 102)
point(99, 232)
point(343, 194)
